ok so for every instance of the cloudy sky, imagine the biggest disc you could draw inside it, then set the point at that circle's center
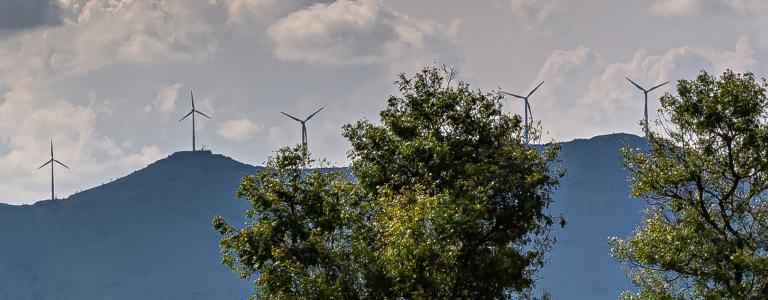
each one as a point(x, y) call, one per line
point(108, 80)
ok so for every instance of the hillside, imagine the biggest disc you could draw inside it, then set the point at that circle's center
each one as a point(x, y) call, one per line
point(148, 235)
point(594, 197)
point(145, 236)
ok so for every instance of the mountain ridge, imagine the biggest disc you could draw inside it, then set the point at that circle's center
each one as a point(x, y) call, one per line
point(148, 234)
point(187, 153)
point(143, 236)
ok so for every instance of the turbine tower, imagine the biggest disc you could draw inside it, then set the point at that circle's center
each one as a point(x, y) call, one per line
point(527, 109)
point(192, 113)
point(646, 99)
point(303, 125)
point(51, 162)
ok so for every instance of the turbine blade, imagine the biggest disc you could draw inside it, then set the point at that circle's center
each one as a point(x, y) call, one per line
point(637, 85)
point(192, 97)
point(51, 148)
point(658, 86)
point(313, 114)
point(204, 115)
point(534, 89)
point(45, 164)
point(187, 115)
point(63, 165)
point(292, 117)
point(513, 95)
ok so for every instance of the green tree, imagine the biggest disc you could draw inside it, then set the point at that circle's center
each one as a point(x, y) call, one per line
point(704, 182)
point(447, 202)
point(293, 236)
point(455, 203)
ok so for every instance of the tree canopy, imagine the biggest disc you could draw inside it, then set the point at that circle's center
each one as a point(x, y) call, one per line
point(456, 201)
point(446, 202)
point(293, 241)
point(704, 181)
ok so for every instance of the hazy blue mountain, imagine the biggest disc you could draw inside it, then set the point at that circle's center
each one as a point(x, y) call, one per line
point(145, 236)
point(594, 197)
point(148, 235)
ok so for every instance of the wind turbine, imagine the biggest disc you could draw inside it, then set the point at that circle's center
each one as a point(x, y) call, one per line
point(51, 162)
point(646, 99)
point(303, 125)
point(527, 108)
point(192, 113)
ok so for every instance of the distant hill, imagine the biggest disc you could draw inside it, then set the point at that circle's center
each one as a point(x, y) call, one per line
point(594, 197)
point(145, 236)
point(148, 235)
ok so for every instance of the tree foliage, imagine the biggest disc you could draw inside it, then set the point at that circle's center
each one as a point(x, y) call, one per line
point(455, 202)
point(447, 202)
point(293, 236)
point(704, 181)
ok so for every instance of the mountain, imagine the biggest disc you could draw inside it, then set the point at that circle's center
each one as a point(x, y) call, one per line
point(148, 235)
point(145, 236)
point(594, 198)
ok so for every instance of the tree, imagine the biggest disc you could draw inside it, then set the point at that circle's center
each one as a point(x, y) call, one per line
point(704, 182)
point(292, 240)
point(446, 202)
point(454, 202)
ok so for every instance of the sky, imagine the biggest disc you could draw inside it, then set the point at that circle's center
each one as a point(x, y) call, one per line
point(108, 80)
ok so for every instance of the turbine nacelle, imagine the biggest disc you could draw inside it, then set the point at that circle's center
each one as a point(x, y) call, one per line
point(643, 89)
point(305, 120)
point(52, 162)
point(192, 98)
point(192, 113)
point(527, 109)
point(645, 92)
point(303, 124)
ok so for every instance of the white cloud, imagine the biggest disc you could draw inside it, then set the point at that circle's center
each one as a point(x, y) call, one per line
point(677, 8)
point(566, 75)
point(166, 98)
point(239, 10)
point(99, 33)
point(94, 35)
point(358, 32)
point(140, 159)
point(583, 94)
point(672, 8)
point(535, 11)
point(675, 63)
point(108, 146)
point(28, 125)
point(237, 129)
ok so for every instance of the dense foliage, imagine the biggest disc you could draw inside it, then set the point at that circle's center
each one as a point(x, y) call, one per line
point(455, 202)
point(447, 202)
point(704, 181)
point(293, 239)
